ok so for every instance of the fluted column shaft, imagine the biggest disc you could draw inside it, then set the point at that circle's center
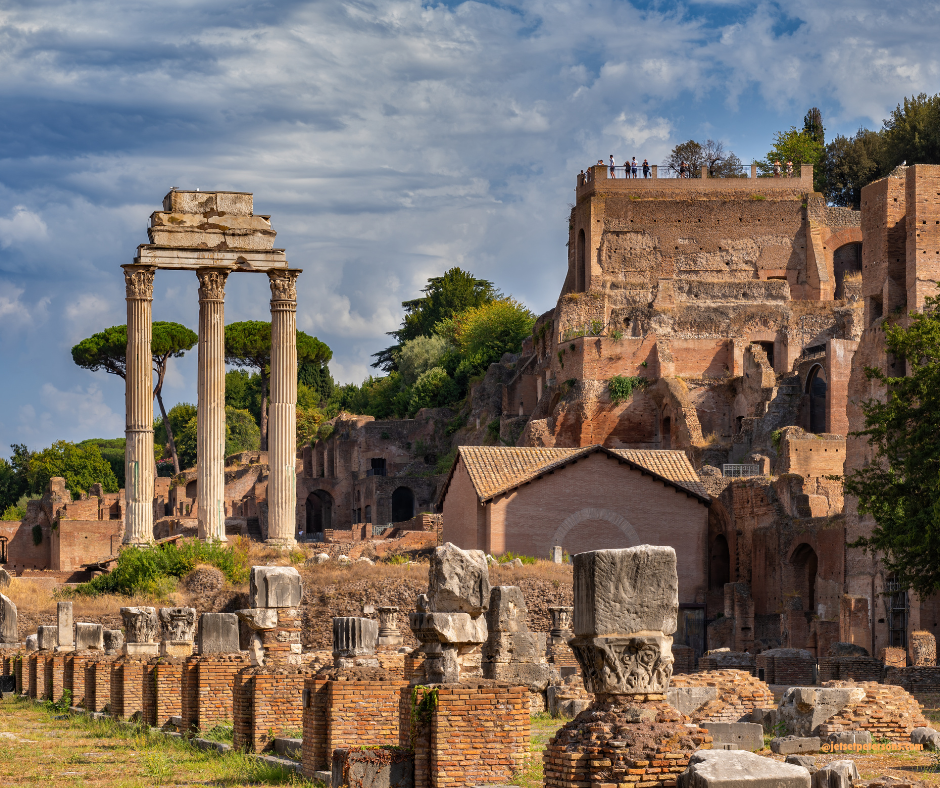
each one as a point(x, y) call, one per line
point(138, 404)
point(282, 410)
point(210, 415)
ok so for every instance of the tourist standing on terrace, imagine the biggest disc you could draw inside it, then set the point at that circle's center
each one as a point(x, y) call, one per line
point(682, 169)
point(633, 166)
point(612, 166)
point(646, 169)
point(776, 168)
point(789, 168)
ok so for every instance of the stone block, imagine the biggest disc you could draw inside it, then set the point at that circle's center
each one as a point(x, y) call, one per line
point(794, 745)
point(64, 621)
point(89, 637)
point(258, 619)
point(928, 737)
point(140, 624)
point(275, 586)
point(804, 709)
point(861, 738)
point(8, 630)
point(458, 581)
point(838, 774)
point(530, 675)
point(48, 637)
point(740, 769)
point(113, 640)
point(218, 633)
point(354, 637)
point(847, 650)
point(5, 579)
point(32, 642)
point(141, 649)
point(455, 628)
point(746, 735)
point(557, 554)
point(808, 762)
point(689, 699)
point(619, 592)
point(507, 610)
point(178, 624)
point(373, 768)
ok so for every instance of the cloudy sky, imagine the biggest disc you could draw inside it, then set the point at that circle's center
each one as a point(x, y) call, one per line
point(388, 141)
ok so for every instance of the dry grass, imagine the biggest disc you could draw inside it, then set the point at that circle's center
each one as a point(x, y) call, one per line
point(852, 276)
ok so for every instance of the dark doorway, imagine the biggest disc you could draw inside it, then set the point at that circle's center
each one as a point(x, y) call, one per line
point(768, 348)
point(719, 564)
point(806, 567)
point(816, 389)
point(403, 505)
point(666, 436)
point(846, 262)
point(319, 513)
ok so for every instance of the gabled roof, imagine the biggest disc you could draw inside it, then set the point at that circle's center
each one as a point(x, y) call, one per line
point(495, 470)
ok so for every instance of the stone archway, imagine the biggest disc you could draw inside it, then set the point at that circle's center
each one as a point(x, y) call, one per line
point(622, 523)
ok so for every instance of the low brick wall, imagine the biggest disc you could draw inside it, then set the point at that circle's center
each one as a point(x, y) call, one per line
point(739, 693)
point(33, 682)
point(98, 682)
point(348, 708)
point(710, 663)
point(850, 669)
point(478, 733)
point(56, 677)
point(920, 680)
point(267, 701)
point(128, 675)
point(20, 670)
point(214, 689)
point(887, 712)
point(790, 666)
point(684, 659)
point(414, 665)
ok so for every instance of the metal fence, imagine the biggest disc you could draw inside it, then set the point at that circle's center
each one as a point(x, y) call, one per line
point(737, 470)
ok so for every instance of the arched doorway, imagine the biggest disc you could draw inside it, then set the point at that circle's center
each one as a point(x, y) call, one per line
point(768, 348)
point(816, 389)
point(846, 261)
point(579, 278)
point(719, 563)
point(806, 566)
point(319, 512)
point(403, 504)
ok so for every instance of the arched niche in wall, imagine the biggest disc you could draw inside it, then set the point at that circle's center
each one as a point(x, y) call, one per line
point(816, 387)
point(319, 512)
point(403, 504)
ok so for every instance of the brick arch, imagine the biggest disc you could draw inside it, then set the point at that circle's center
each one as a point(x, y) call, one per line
point(626, 528)
point(825, 256)
point(847, 235)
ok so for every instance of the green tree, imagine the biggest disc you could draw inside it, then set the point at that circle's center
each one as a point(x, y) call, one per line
point(433, 389)
point(112, 449)
point(711, 154)
point(689, 153)
point(248, 345)
point(14, 476)
point(107, 350)
point(813, 126)
point(420, 354)
point(912, 133)
point(443, 297)
point(851, 163)
point(794, 146)
point(241, 432)
point(900, 487)
point(483, 334)
point(81, 467)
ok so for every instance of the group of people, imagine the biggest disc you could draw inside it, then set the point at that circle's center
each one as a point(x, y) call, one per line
point(778, 168)
point(631, 168)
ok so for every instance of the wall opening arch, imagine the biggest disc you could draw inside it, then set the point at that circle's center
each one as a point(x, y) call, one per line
point(620, 534)
point(846, 261)
point(816, 387)
point(806, 566)
point(719, 563)
point(403, 504)
point(319, 512)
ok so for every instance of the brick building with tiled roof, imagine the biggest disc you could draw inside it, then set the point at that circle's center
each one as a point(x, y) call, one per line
point(527, 500)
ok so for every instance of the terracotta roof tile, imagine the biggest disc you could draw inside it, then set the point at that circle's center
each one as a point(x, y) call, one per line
point(498, 469)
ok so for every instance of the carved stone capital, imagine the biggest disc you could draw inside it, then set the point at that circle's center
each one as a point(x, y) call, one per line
point(138, 280)
point(178, 623)
point(140, 624)
point(283, 285)
point(212, 284)
point(632, 664)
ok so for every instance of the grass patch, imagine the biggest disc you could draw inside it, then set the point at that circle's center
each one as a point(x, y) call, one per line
point(81, 751)
point(509, 556)
point(153, 571)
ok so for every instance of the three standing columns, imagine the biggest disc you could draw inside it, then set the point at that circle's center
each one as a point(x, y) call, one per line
point(210, 408)
point(282, 410)
point(138, 393)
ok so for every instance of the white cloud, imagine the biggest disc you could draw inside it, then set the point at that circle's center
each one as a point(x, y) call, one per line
point(83, 408)
point(22, 227)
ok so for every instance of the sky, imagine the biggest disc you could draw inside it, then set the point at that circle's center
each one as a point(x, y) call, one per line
point(388, 141)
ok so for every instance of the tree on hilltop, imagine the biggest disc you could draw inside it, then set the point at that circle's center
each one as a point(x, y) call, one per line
point(107, 350)
point(721, 163)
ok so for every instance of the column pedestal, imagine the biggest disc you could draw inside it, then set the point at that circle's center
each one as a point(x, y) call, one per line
point(282, 421)
point(210, 416)
point(138, 451)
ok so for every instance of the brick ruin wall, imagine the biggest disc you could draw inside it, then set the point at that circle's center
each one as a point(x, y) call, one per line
point(866, 669)
point(267, 701)
point(739, 693)
point(887, 712)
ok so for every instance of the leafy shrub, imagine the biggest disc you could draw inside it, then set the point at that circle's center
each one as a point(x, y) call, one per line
point(152, 570)
point(621, 388)
point(433, 389)
point(509, 556)
point(420, 354)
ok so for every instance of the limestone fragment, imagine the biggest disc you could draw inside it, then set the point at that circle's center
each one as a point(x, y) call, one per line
point(739, 769)
point(927, 737)
point(64, 621)
point(458, 581)
point(48, 637)
point(32, 642)
point(89, 637)
point(142, 629)
point(354, 641)
point(838, 774)
point(8, 632)
point(218, 633)
point(275, 586)
point(179, 629)
point(389, 633)
point(113, 640)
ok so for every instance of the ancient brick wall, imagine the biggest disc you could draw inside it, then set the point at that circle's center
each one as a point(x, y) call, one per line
point(463, 515)
point(922, 200)
point(598, 503)
point(839, 355)
point(163, 690)
point(920, 680)
point(884, 250)
point(267, 701)
point(477, 733)
point(739, 693)
point(22, 551)
point(850, 669)
point(128, 675)
point(887, 712)
point(32, 676)
point(314, 753)
point(55, 677)
point(75, 670)
point(813, 455)
point(209, 688)
point(79, 542)
point(894, 657)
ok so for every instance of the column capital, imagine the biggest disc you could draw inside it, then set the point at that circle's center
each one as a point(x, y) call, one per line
point(138, 280)
point(284, 284)
point(212, 283)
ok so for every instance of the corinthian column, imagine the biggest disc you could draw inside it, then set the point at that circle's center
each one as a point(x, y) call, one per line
point(210, 416)
point(282, 419)
point(138, 404)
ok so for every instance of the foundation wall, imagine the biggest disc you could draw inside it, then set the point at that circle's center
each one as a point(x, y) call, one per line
point(127, 687)
point(163, 691)
point(267, 701)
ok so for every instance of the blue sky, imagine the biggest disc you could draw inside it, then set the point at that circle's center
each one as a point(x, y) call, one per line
point(389, 141)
